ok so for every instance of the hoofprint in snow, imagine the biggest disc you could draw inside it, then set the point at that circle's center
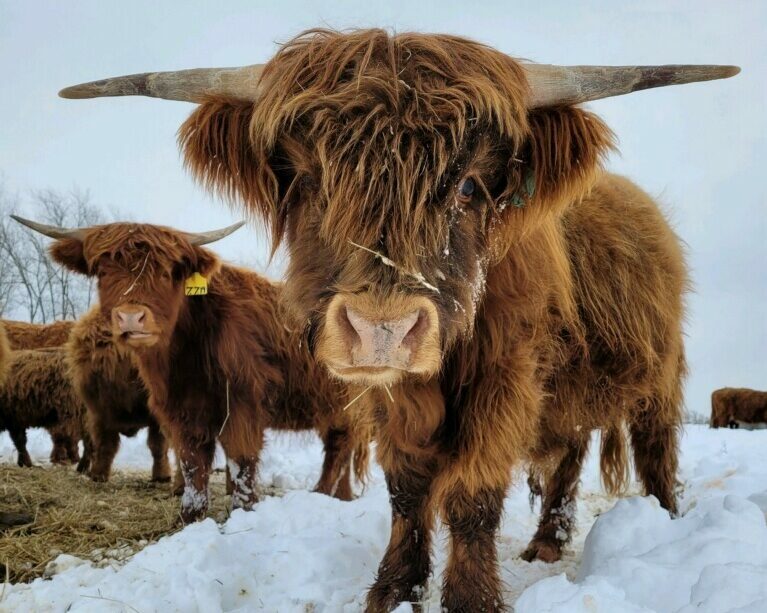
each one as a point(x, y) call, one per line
point(304, 552)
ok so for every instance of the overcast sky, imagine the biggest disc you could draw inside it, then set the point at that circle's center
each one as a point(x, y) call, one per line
point(701, 149)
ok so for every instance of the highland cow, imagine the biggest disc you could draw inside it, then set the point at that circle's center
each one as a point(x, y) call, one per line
point(24, 335)
point(462, 263)
point(738, 408)
point(215, 351)
point(38, 393)
point(115, 399)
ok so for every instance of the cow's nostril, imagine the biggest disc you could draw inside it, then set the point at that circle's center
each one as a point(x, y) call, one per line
point(415, 334)
point(352, 325)
point(140, 317)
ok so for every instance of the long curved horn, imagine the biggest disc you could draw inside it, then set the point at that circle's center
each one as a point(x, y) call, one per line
point(199, 239)
point(552, 85)
point(193, 85)
point(52, 231)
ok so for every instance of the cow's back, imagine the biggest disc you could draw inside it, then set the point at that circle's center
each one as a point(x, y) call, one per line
point(629, 279)
point(24, 335)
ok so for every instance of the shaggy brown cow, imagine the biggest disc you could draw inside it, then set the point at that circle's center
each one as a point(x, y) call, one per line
point(38, 393)
point(223, 365)
point(738, 408)
point(461, 262)
point(115, 399)
point(24, 335)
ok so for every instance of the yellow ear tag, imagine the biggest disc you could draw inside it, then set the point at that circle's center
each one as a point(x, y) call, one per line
point(196, 285)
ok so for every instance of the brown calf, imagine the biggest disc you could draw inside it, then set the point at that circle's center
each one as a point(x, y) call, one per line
point(460, 260)
point(222, 365)
point(25, 335)
point(115, 399)
point(38, 393)
point(738, 408)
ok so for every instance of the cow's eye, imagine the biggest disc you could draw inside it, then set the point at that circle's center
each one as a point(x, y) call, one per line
point(466, 189)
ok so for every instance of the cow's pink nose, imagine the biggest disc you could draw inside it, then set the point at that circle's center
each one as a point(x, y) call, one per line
point(130, 321)
point(383, 343)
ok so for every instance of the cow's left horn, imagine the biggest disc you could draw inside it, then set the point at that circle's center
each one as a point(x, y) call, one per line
point(51, 231)
point(203, 238)
point(562, 85)
point(193, 85)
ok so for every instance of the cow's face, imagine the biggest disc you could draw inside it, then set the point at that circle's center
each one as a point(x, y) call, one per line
point(389, 272)
point(397, 171)
point(141, 272)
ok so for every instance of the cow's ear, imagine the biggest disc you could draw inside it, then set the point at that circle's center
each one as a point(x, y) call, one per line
point(206, 263)
point(218, 150)
point(558, 161)
point(69, 252)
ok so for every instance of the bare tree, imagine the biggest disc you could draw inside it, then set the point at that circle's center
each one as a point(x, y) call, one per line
point(30, 282)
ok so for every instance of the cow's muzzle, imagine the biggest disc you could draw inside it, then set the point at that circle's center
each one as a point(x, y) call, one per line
point(135, 325)
point(378, 341)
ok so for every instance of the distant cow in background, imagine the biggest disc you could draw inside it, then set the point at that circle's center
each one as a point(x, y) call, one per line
point(38, 393)
point(24, 335)
point(738, 408)
point(216, 351)
point(115, 399)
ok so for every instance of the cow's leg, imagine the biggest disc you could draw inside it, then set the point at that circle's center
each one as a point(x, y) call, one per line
point(335, 479)
point(655, 441)
point(59, 451)
point(178, 480)
point(196, 459)
point(558, 509)
point(405, 567)
point(471, 581)
point(241, 472)
point(85, 461)
point(19, 437)
point(73, 451)
point(106, 442)
point(158, 446)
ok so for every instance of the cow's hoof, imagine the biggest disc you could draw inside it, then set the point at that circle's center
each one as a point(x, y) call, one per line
point(162, 479)
point(99, 477)
point(544, 551)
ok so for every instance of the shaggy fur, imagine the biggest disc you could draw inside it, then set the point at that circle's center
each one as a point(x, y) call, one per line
point(558, 287)
point(38, 393)
point(736, 407)
point(24, 335)
point(115, 398)
point(223, 366)
point(5, 354)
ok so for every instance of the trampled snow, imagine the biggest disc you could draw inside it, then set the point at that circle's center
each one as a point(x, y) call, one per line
point(301, 551)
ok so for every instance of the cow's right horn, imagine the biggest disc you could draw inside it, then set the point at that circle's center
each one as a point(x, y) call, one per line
point(204, 238)
point(52, 231)
point(195, 85)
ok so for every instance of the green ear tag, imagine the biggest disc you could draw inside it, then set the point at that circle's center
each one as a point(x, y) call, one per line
point(196, 285)
point(519, 199)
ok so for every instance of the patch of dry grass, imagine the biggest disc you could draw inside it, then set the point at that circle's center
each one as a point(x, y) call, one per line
point(101, 522)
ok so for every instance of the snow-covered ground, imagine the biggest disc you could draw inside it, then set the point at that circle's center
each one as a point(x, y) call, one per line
point(304, 552)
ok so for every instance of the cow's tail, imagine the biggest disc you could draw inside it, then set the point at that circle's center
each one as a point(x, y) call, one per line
point(613, 459)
